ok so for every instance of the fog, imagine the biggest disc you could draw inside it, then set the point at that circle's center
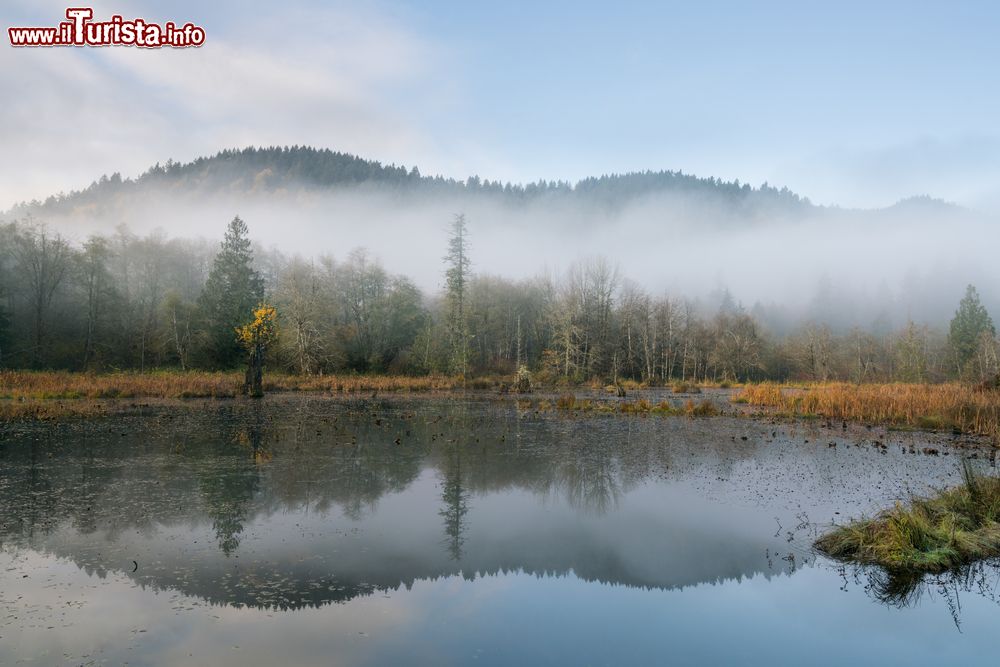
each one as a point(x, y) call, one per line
point(875, 268)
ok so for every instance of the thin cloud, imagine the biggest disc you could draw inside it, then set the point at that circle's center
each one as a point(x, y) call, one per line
point(79, 113)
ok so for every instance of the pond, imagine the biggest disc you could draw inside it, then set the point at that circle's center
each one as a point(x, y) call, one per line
point(308, 530)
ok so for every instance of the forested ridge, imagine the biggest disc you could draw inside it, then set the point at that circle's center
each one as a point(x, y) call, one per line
point(292, 168)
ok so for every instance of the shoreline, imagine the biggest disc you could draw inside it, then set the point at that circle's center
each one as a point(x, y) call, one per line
point(584, 403)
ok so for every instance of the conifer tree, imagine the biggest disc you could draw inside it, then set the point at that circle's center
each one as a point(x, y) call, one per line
point(4, 333)
point(232, 291)
point(456, 285)
point(971, 321)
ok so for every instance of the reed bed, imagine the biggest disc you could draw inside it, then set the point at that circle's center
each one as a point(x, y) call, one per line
point(46, 385)
point(642, 406)
point(958, 407)
point(953, 528)
point(43, 410)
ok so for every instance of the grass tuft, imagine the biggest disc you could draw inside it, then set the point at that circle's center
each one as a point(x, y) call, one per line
point(702, 409)
point(956, 527)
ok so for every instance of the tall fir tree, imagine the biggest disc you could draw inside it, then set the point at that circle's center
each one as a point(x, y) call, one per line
point(456, 286)
point(233, 289)
point(971, 321)
point(4, 333)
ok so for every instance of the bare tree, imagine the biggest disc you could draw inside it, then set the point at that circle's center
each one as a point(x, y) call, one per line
point(43, 260)
point(299, 298)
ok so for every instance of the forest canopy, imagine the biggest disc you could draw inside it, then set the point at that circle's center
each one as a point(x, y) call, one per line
point(128, 302)
point(301, 167)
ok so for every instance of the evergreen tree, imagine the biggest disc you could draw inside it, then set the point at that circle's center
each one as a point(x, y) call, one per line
point(7, 235)
point(232, 291)
point(4, 333)
point(456, 285)
point(971, 321)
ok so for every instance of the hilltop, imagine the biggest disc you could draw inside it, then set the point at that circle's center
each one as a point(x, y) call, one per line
point(302, 168)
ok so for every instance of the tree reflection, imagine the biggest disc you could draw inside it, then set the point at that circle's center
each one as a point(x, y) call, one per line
point(592, 484)
point(454, 499)
point(903, 589)
point(232, 465)
point(228, 487)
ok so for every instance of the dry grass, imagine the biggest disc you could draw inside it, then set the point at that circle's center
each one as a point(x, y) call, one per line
point(927, 406)
point(46, 385)
point(43, 410)
point(701, 409)
point(642, 406)
point(954, 528)
point(351, 384)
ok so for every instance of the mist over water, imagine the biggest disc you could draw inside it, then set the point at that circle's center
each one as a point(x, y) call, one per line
point(866, 268)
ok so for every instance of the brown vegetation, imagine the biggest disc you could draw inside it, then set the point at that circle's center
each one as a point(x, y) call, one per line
point(642, 406)
point(960, 407)
point(21, 385)
point(40, 410)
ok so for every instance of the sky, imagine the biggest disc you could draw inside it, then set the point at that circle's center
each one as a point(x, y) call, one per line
point(858, 104)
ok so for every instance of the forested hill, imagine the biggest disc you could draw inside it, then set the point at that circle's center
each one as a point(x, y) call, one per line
point(264, 170)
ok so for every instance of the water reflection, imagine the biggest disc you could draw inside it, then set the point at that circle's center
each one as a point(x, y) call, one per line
point(454, 501)
point(907, 590)
point(228, 492)
point(283, 504)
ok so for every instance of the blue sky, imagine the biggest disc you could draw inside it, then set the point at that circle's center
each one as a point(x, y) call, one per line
point(852, 103)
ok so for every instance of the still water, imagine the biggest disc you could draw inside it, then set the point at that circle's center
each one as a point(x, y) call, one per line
point(305, 530)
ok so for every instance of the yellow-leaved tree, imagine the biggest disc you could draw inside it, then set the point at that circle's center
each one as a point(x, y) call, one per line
point(255, 338)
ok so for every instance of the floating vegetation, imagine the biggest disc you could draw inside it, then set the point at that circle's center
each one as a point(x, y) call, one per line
point(40, 410)
point(956, 527)
point(642, 406)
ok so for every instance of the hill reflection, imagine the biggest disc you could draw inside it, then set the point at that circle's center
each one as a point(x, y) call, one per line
point(309, 501)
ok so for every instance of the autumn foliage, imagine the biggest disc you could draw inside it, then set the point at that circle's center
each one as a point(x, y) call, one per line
point(255, 337)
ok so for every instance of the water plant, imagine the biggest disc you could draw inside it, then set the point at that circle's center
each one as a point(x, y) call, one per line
point(955, 527)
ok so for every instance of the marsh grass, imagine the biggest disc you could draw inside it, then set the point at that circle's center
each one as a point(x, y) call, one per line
point(955, 527)
point(47, 385)
point(952, 406)
point(642, 406)
point(44, 410)
point(700, 409)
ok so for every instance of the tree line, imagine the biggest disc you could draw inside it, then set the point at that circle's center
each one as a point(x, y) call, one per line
point(276, 168)
point(121, 301)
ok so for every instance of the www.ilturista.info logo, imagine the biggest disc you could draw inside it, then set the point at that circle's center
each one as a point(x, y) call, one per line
point(80, 30)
